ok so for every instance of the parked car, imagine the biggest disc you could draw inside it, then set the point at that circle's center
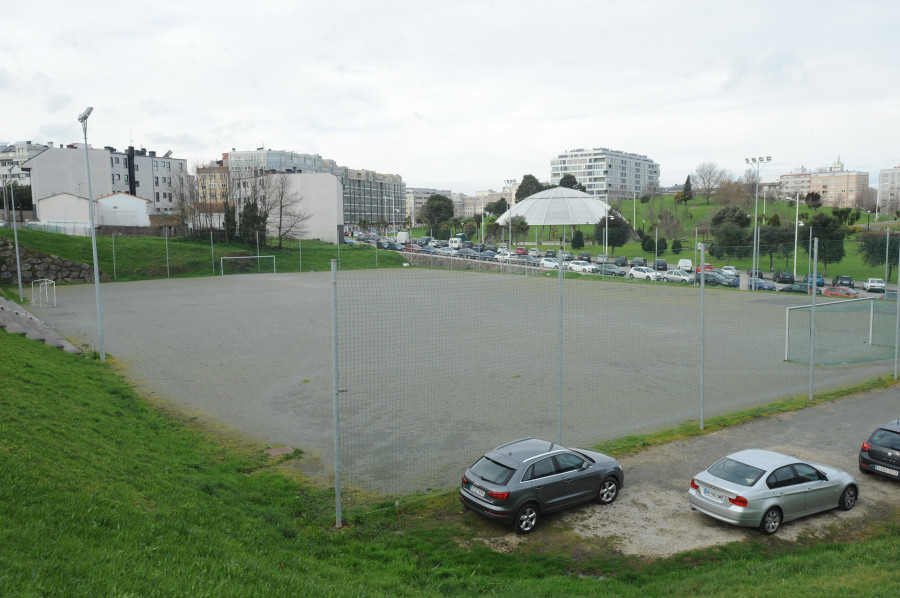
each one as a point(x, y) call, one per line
point(601, 259)
point(757, 488)
point(755, 272)
point(479, 247)
point(584, 255)
point(841, 292)
point(502, 256)
point(820, 280)
point(610, 270)
point(583, 266)
point(521, 481)
point(874, 285)
point(534, 253)
point(550, 253)
point(799, 287)
point(784, 277)
point(521, 251)
point(760, 285)
point(714, 278)
point(487, 255)
point(705, 267)
point(550, 262)
point(678, 276)
point(620, 261)
point(469, 254)
point(639, 261)
point(686, 265)
point(566, 255)
point(661, 265)
point(447, 252)
point(525, 260)
point(881, 452)
point(842, 281)
point(730, 271)
point(644, 272)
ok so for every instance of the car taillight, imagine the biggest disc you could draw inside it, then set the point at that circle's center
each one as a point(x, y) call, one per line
point(694, 484)
point(499, 495)
point(738, 501)
point(464, 480)
point(866, 446)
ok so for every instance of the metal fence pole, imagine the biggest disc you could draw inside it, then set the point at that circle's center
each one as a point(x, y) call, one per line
point(812, 317)
point(702, 336)
point(336, 393)
point(897, 320)
point(115, 274)
point(212, 252)
point(167, 254)
point(559, 353)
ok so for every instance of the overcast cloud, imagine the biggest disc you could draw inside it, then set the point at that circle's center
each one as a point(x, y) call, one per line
point(463, 95)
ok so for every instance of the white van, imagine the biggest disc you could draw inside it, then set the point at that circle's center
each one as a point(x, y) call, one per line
point(686, 265)
point(403, 238)
point(456, 243)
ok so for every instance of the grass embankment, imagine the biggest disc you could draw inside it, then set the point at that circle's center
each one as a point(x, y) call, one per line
point(102, 495)
point(142, 258)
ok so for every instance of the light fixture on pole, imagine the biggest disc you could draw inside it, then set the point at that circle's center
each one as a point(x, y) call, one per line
point(12, 195)
point(82, 118)
point(756, 163)
point(796, 230)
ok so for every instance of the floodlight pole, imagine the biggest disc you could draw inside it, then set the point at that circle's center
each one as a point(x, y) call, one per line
point(82, 118)
point(796, 232)
point(756, 163)
point(12, 196)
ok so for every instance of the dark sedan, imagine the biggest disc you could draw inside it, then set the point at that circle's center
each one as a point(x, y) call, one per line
point(881, 452)
point(842, 281)
point(784, 277)
point(519, 482)
point(799, 287)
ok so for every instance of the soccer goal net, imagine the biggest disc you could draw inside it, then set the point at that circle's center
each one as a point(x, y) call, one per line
point(848, 331)
point(246, 264)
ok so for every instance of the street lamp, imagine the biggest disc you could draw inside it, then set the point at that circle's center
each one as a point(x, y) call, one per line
point(756, 163)
point(12, 195)
point(82, 118)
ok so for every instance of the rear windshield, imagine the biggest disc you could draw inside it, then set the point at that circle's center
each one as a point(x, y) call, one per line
point(736, 472)
point(491, 471)
point(886, 438)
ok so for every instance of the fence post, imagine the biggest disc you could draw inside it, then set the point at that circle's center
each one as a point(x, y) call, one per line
point(336, 400)
point(812, 316)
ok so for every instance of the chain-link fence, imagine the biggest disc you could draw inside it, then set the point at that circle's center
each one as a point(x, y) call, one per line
point(438, 366)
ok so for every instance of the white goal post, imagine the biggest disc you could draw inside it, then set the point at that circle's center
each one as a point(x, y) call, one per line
point(246, 257)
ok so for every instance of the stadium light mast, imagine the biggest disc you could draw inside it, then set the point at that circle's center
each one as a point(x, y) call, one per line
point(12, 195)
point(83, 118)
point(756, 163)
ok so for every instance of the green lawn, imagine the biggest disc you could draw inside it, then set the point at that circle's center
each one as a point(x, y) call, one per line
point(101, 494)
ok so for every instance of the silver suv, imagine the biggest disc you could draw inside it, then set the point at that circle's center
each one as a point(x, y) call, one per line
point(518, 482)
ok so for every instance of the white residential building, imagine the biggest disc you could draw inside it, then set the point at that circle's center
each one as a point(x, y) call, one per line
point(13, 155)
point(415, 201)
point(607, 174)
point(888, 199)
point(69, 214)
point(158, 179)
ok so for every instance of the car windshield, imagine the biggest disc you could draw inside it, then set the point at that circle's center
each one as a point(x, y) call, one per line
point(491, 471)
point(736, 472)
point(887, 439)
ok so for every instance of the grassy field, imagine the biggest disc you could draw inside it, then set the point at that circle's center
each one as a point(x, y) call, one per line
point(103, 494)
point(141, 258)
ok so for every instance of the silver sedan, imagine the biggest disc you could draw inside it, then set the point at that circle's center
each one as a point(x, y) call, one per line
point(757, 488)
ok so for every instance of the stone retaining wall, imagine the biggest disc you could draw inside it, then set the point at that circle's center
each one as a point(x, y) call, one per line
point(36, 265)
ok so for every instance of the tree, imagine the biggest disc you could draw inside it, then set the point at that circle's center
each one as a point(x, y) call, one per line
point(831, 239)
point(708, 176)
point(729, 227)
point(732, 193)
point(687, 193)
point(872, 249)
point(670, 224)
point(648, 243)
point(519, 228)
point(230, 222)
point(776, 241)
point(437, 210)
point(813, 200)
point(570, 182)
point(529, 186)
point(578, 240)
point(186, 195)
point(289, 215)
point(497, 208)
point(676, 246)
point(618, 230)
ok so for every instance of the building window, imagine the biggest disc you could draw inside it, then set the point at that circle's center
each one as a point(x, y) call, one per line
point(157, 196)
point(156, 180)
point(155, 165)
point(117, 160)
point(136, 167)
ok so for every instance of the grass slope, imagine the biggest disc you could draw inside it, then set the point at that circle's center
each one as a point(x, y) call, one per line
point(101, 494)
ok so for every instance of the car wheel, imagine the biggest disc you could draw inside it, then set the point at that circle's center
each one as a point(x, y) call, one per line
point(771, 521)
point(526, 518)
point(609, 490)
point(631, 276)
point(848, 498)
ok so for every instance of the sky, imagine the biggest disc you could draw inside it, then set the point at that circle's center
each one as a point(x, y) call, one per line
point(463, 95)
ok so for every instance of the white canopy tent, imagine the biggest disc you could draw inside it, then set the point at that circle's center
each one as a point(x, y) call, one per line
point(558, 206)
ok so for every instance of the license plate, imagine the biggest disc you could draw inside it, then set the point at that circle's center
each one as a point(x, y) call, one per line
point(713, 495)
point(887, 470)
point(476, 490)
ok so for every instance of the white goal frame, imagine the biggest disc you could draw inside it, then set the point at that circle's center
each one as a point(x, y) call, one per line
point(246, 257)
point(789, 310)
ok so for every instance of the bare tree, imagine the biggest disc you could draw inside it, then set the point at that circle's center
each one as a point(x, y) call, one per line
point(706, 179)
point(289, 215)
point(186, 195)
point(670, 224)
point(733, 193)
point(750, 180)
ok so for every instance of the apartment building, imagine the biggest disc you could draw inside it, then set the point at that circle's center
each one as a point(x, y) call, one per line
point(13, 155)
point(838, 187)
point(606, 174)
point(160, 179)
point(415, 201)
point(888, 198)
